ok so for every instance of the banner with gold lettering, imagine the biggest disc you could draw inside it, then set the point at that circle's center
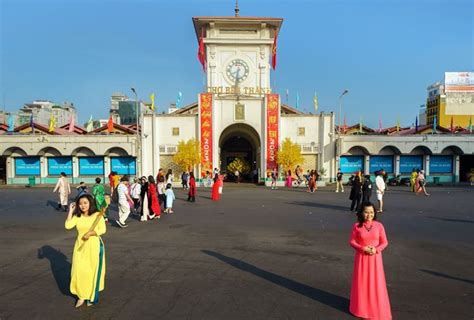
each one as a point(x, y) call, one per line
point(273, 112)
point(205, 114)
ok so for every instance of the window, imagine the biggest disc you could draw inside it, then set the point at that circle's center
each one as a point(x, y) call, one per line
point(176, 131)
point(239, 111)
point(301, 132)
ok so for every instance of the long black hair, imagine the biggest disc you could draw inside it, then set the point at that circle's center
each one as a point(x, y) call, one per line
point(360, 213)
point(92, 205)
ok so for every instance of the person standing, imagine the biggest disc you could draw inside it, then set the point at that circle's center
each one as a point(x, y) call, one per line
point(144, 212)
point(135, 191)
point(366, 189)
point(153, 203)
point(161, 188)
point(192, 188)
point(215, 188)
point(221, 183)
point(355, 194)
point(169, 176)
point(289, 179)
point(88, 259)
point(421, 182)
point(274, 178)
point(123, 202)
point(184, 180)
point(369, 297)
point(237, 174)
point(169, 198)
point(64, 190)
point(339, 184)
point(413, 179)
point(112, 182)
point(98, 191)
point(312, 182)
point(380, 187)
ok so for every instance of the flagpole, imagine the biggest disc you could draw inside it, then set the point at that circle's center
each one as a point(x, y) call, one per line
point(137, 144)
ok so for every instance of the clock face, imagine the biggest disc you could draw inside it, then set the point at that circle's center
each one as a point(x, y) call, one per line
point(237, 70)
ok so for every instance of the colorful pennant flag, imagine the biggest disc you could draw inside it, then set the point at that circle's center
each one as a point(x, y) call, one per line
point(416, 124)
point(32, 124)
point(434, 124)
point(110, 125)
point(380, 124)
point(178, 99)
point(452, 125)
point(11, 123)
point(201, 51)
point(274, 52)
point(470, 125)
point(344, 126)
point(297, 100)
point(152, 98)
point(90, 125)
point(72, 123)
point(52, 122)
point(398, 124)
point(360, 125)
point(315, 101)
point(287, 95)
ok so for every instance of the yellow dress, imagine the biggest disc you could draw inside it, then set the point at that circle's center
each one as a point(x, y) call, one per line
point(88, 262)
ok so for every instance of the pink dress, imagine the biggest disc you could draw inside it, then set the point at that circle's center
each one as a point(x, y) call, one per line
point(369, 296)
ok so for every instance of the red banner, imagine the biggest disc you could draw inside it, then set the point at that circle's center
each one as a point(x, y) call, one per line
point(273, 112)
point(205, 113)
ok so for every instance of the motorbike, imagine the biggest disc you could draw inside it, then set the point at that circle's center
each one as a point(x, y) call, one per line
point(395, 181)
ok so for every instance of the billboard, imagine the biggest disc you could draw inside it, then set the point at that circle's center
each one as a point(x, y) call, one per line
point(27, 166)
point(91, 166)
point(56, 165)
point(381, 162)
point(273, 110)
point(205, 114)
point(123, 165)
point(441, 164)
point(408, 163)
point(351, 164)
point(459, 81)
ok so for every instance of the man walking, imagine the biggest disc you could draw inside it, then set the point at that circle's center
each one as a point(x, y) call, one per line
point(339, 181)
point(124, 200)
point(380, 186)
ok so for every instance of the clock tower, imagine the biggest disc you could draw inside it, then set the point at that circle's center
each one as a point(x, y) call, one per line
point(236, 53)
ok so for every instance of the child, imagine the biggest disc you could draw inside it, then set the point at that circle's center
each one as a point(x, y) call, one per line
point(169, 198)
point(81, 189)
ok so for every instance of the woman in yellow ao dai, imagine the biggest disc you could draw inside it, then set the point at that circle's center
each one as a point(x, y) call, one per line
point(88, 260)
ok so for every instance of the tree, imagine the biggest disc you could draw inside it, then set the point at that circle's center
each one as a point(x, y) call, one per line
point(188, 154)
point(240, 165)
point(289, 155)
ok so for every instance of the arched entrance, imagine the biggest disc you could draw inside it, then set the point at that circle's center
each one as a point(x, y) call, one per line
point(240, 141)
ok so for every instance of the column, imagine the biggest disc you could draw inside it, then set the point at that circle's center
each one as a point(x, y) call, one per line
point(397, 165)
point(456, 168)
point(107, 167)
point(10, 170)
point(75, 169)
point(43, 169)
point(426, 161)
point(366, 164)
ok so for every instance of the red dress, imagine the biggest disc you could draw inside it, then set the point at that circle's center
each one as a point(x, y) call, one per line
point(153, 199)
point(192, 187)
point(369, 296)
point(215, 191)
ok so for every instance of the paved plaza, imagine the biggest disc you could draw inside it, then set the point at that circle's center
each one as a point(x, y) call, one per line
point(256, 254)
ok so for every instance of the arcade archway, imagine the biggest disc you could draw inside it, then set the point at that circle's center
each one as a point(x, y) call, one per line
point(240, 141)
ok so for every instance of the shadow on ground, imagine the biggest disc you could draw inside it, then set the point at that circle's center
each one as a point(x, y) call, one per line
point(60, 267)
point(444, 275)
point(324, 297)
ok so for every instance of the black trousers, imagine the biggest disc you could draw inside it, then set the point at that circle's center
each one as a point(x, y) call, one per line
point(355, 202)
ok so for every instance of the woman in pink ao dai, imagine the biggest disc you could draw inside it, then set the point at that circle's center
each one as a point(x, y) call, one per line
point(369, 296)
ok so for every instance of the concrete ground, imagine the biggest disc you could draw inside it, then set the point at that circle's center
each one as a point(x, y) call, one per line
point(256, 254)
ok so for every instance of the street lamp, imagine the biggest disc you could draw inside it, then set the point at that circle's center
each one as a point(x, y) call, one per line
point(340, 108)
point(138, 132)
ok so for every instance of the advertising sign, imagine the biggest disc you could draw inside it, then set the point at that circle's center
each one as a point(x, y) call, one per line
point(408, 163)
point(56, 165)
point(273, 111)
point(381, 162)
point(27, 166)
point(459, 81)
point(351, 164)
point(123, 165)
point(91, 166)
point(205, 114)
point(441, 164)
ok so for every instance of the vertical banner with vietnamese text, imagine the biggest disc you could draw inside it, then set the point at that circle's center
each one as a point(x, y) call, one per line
point(205, 113)
point(273, 112)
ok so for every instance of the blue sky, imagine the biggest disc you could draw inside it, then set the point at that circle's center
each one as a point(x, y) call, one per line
point(385, 52)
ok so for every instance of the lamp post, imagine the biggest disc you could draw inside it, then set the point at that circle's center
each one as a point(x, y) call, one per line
point(340, 108)
point(138, 150)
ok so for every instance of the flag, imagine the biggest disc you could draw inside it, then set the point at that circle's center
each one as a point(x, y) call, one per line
point(72, 123)
point(11, 123)
point(434, 124)
point(201, 53)
point(470, 125)
point(287, 94)
point(360, 125)
point(178, 99)
point(90, 125)
point(152, 98)
point(398, 124)
point(380, 124)
point(452, 124)
point(297, 100)
point(32, 124)
point(274, 52)
point(51, 123)
point(416, 124)
point(315, 101)
point(344, 126)
point(110, 125)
